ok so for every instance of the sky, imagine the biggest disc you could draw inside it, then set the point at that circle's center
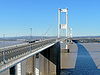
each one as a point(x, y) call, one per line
point(18, 16)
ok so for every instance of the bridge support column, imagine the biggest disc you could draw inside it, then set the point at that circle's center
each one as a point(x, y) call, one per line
point(37, 65)
point(18, 69)
point(67, 48)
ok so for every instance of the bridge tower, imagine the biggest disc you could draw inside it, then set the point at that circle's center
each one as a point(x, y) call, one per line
point(62, 26)
point(66, 27)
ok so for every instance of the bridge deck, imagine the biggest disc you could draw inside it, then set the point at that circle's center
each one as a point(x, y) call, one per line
point(84, 59)
point(10, 56)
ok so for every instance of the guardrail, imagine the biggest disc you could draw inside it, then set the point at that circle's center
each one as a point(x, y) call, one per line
point(11, 53)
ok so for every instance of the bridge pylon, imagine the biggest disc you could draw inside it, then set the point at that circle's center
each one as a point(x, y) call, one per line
point(65, 27)
point(62, 26)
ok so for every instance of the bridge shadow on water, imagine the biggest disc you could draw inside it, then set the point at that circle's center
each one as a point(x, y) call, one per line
point(84, 64)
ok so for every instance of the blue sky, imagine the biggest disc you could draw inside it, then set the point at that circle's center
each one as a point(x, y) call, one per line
point(18, 16)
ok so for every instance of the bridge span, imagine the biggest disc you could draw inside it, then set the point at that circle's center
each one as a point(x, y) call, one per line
point(29, 58)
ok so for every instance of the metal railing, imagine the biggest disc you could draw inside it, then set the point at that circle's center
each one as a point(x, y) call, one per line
point(8, 54)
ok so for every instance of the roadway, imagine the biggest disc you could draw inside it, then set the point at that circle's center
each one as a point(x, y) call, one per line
point(9, 53)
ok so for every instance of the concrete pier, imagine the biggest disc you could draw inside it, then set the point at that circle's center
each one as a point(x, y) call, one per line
point(37, 64)
point(19, 69)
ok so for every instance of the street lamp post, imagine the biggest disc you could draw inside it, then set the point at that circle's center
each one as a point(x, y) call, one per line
point(30, 34)
point(3, 52)
point(30, 39)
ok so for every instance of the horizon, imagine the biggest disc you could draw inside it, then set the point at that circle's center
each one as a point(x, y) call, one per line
point(48, 37)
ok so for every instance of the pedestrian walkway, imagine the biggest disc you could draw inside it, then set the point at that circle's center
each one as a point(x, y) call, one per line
point(84, 64)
